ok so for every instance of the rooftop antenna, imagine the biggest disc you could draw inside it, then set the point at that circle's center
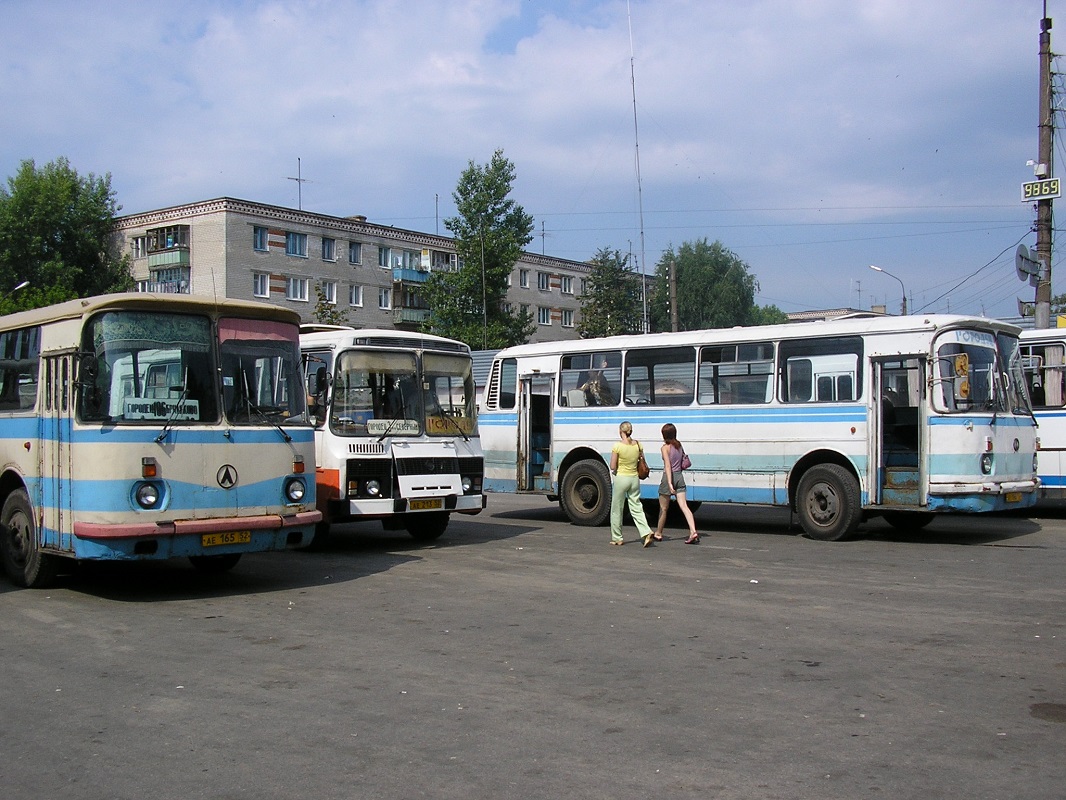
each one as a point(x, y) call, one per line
point(300, 181)
point(636, 150)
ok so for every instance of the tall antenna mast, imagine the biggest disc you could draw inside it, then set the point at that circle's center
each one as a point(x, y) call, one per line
point(636, 151)
point(300, 181)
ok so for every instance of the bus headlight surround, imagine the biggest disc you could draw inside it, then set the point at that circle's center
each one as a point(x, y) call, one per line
point(986, 463)
point(148, 495)
point(295, 490)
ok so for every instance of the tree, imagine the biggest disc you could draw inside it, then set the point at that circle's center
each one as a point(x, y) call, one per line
point(327, 313)
point(768, 315)
point(714, 288)
point(490, 231)
point(55, 232)
point(612, 302)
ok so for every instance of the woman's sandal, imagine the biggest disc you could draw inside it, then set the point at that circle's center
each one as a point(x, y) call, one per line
point(657, 537)
point(619, 542)
point(693, 539)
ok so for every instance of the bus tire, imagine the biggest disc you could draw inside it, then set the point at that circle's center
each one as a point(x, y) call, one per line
point(828, 503)
point(427, 527)
point(908, 520)
point(586, 493)
point(215, 565)
point(24, 563)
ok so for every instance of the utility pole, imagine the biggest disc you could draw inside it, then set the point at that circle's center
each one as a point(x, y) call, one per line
point(1042, 309)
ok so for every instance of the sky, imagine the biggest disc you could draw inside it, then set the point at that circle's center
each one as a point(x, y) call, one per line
point(812, 138)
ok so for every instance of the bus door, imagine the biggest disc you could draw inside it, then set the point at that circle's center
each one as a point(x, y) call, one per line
point(535, 393)
point(897, 441)
point(55, 427)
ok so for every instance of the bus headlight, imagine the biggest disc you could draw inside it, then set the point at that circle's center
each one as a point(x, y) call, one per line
point(986, 463)
point(295, 489)
point(147, 495)
point(467, 484)
point(373, 488)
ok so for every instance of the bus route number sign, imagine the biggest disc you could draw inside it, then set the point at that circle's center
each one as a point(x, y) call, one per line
point(1046, 189)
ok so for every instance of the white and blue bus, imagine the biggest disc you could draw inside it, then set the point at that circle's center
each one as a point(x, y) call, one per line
point(396, 428)
point(1044, 358)
point(899, 416)
point(140, 426)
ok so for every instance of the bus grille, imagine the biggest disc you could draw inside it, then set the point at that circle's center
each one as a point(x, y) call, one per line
point(427, 466)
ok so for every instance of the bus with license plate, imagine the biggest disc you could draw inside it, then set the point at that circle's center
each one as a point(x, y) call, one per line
point(902, 417)
point(396, 433)
point(1044, 360)
point(139, 427)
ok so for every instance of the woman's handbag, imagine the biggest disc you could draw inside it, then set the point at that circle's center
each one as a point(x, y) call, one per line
point(686, 462)
point(643, 471)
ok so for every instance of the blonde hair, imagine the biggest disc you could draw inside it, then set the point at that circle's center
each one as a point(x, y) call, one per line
point(626, 428)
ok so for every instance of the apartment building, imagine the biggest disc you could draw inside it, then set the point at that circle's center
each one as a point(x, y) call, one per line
point(372, 275)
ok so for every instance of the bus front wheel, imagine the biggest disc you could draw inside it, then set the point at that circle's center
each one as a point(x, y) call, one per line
point(586, 493)
point(828, 503)
point(427, 527)
point(24, 563)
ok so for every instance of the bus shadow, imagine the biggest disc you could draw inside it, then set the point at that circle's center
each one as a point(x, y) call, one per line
point(986, 529)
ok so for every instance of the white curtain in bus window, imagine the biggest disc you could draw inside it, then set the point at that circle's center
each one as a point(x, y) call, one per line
point(20, 353)
point(663, 376)
point(1044, 374)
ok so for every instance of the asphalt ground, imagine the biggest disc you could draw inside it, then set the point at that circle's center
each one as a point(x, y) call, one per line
point(521, 656)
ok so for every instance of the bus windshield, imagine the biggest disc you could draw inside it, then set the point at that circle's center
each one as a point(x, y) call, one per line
point(969, 374)
point(449, 396)
point(376, 393)
point(261, 378)
point(145, 366)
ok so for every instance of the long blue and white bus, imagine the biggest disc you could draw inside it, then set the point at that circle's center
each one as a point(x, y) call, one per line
point(1044, 359)
point(140, 426)
point(899, 416)
point(396, 428)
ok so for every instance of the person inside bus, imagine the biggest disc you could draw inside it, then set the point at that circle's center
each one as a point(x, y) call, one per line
point(597, 390)
point(626, 489)
point(673, 484)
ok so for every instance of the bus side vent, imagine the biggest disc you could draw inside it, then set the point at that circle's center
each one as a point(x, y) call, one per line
point(367, 449)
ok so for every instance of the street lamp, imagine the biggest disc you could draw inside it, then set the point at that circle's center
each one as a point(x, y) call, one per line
point(903, 305)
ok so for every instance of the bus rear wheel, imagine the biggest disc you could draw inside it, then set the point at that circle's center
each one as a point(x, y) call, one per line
point(215, 565)
point(427, 527)
point(585, 494)
point(828, 503)
point(24, 563)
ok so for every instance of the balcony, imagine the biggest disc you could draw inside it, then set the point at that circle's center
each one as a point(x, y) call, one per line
point(409, 316)
point(404, 275)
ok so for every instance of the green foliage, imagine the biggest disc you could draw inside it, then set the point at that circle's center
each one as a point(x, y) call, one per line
point(612, 302)
point(490, 231)
point(768, 315)
point(55, 232)
point(327, 313)
point(714, 288)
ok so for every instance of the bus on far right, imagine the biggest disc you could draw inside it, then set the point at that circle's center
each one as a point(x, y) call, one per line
point(1044, 361)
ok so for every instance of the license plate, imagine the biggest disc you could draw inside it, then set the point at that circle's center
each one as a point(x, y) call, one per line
point(426, 505)
point(1014, 497)
point(229, 537)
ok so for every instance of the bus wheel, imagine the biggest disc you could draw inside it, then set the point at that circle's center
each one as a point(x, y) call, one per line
point(908, 520)
point(586, 493)
point(24, 563)
point(427, 527)
point(215, 565)
point(828, 503)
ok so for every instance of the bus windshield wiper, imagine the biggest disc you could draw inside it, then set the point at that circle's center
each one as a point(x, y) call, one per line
point(447, 418)
point(174, 411)
point(259, 412)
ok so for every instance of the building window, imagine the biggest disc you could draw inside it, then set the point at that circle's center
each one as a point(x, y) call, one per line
point(544, 315)
point(355, 253)
point(329, 292)
point(524, 309)
point(584, 286)
point(329, 249)
point(568, 318)
point(296, 289)
point(523, 278)
point(296, 245)
point(260, 284)
point(384, 298)
point(384, 253)
point(566, 284)
point(139, 245)
point(507, 308)
point(544, 281)
point(355, 296)
point(259, 239)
